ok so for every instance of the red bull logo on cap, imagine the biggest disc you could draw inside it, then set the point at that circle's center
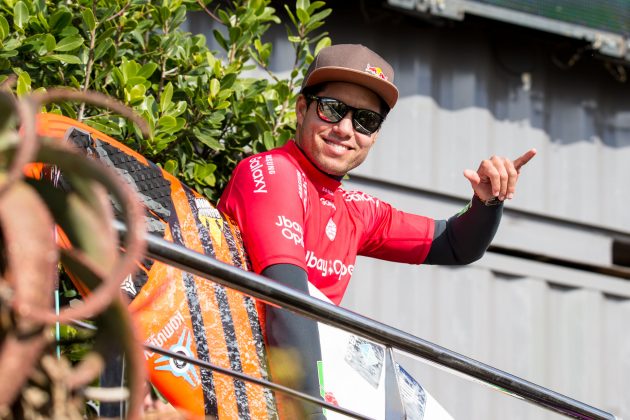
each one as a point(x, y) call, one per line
point(376, 71)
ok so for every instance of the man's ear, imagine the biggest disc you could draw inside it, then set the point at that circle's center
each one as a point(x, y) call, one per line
point(301, 107)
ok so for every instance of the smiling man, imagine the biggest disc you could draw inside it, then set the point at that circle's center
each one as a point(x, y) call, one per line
point(300, 225)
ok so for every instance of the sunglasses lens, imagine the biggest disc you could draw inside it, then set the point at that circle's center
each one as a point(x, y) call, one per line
point(366, 122)
point(331, 110)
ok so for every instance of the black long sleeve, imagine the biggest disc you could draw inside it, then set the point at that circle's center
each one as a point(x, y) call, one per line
point(466, 236)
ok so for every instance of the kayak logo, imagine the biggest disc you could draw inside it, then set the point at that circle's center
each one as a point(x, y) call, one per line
point(257, 174)
point(211, 219)
point(331, 229)
point(358, 196)
point(173, 324)
point(328, 267)
point(128, 286)
point(177, 367)
point(291, 230)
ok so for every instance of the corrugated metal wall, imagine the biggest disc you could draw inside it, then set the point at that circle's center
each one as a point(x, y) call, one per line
point(571, 340)
point(464, 97)
point(563, 328)
point(469, 90)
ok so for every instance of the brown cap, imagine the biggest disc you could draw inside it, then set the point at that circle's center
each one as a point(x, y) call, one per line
point(356, 64)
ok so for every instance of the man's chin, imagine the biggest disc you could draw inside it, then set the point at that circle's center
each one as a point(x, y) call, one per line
point(332, 168)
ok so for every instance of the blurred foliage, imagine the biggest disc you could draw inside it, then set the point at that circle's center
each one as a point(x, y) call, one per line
point(33, 383)
point(205, 109)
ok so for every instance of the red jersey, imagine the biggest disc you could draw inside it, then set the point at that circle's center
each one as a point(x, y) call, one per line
point(289, 212)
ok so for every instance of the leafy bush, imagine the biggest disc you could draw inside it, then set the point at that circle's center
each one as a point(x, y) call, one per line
point(204, 113)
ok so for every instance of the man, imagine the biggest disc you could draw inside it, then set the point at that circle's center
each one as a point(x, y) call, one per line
point(299, 224)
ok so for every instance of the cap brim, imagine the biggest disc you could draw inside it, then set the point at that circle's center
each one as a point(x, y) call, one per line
point(383, 88)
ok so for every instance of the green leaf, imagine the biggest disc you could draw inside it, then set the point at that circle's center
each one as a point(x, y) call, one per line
point(69, 30)
point(147, 70)
point(223, 105)
point(41, 22)
point(317, 17)
point(323, 43)
point(59, 20)
point(171, 167)
point(102, 48)
point(166, 96)
point(49, 42)
point(177, 110)
point(220, 39)
point(135, 96)
point(228, 80)
point(12, 44)
point(204, 172)
point(4, 28)
point(64, 58)
point(268, 140)
point(23, 83)
point(104, 126)
point(215, 85)
point(117, 78)
point(315, 5)
point(69, 43)
point(206, 138)
point(105, 35)
point(20, 15)
point(89, 19)
point(129, 69)
point(302, 16)
point(291, 16)
point(69, 293)
point(166, 122)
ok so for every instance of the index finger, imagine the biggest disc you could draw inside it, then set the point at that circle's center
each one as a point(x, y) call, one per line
point(524, 158)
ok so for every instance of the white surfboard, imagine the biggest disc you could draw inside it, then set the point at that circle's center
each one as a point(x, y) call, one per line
point(362, 376)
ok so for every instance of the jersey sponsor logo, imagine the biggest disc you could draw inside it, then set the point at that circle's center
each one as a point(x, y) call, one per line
point(328, 267)
point(327, 191)
point(331, 229)
point(260, 186)
point(291, 230)
point(359, 196)
point(327, 203)
point(271, 169)
point(302, 188)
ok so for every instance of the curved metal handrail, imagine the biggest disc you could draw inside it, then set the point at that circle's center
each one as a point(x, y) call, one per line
point(259, 287)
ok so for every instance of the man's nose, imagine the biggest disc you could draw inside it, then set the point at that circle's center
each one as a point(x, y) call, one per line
point(344, 126)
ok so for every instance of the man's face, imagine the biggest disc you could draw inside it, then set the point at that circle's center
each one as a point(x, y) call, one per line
point(335, 148)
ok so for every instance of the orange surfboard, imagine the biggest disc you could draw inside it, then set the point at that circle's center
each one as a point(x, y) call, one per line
point(176, 310)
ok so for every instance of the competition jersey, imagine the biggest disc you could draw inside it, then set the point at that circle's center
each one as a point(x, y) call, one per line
point(289, 212)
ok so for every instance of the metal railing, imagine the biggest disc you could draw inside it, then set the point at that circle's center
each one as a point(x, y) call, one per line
point(259, 287)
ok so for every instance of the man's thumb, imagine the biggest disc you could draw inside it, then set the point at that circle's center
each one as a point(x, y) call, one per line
point(473, 177)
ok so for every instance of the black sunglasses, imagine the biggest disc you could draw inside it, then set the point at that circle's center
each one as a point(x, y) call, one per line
point(333, 110)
